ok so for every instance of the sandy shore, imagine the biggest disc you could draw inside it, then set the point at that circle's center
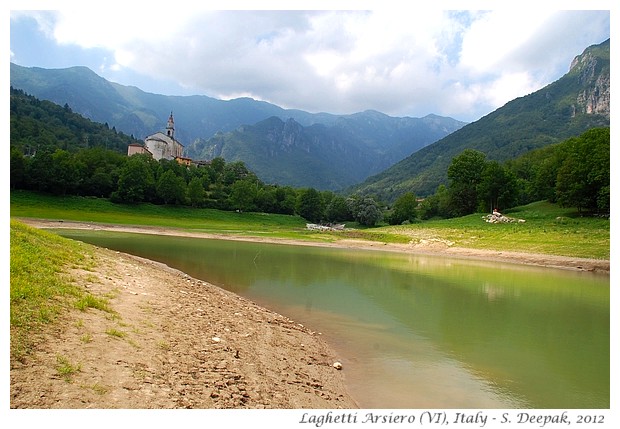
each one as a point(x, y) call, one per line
point(173, 341)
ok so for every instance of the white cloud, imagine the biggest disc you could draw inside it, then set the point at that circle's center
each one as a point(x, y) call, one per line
point(99, 25)
point(400, 61)
point(495, 36)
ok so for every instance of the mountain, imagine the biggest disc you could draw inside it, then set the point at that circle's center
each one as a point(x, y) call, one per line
point(325, 156)
point(576, 102)
point(134, 111)
point(210, 127)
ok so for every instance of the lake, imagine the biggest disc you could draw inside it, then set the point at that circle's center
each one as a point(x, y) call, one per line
point(418, 331)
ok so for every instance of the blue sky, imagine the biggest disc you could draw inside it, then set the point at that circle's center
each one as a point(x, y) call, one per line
point(403, 62)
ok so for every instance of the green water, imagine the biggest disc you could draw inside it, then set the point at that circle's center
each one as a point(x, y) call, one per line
point(419, 331)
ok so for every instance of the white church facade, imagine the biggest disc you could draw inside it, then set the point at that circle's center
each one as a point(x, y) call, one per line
point(164, 145)
point(161, 145)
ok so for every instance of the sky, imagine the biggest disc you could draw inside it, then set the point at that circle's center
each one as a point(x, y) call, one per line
point(402, 62)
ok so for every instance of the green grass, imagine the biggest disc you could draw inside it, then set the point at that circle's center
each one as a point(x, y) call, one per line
point(113, 332)
point(548, 229)
point(65, 368)
point(71, 208)
point(90, 301)
point(40, 290)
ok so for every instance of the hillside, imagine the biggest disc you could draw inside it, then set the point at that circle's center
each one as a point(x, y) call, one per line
point(42, 125)
point(322, 156)
point(566, 108)
point(201, 121)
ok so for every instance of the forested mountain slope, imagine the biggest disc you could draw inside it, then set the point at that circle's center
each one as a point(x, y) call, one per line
point(578, 101)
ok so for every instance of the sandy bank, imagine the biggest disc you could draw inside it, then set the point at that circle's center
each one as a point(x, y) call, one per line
point(174, 342)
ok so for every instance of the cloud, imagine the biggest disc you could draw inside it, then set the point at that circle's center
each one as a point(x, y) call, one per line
point(399, 61)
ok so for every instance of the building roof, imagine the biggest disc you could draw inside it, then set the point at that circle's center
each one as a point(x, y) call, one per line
point(163, 138)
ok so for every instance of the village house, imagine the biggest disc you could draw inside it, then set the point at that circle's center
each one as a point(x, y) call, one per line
point(135, 148)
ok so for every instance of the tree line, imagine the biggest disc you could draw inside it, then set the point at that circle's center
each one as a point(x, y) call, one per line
point(103, 173)
point(574, 173)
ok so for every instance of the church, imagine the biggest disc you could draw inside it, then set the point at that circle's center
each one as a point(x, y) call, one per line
point(161, 145)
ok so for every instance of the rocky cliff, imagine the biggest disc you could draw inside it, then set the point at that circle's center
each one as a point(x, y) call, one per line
point(595, 98)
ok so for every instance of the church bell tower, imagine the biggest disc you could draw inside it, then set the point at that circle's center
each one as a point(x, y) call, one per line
point(170, 127)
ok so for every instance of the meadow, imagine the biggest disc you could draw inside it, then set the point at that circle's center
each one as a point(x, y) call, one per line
point(548, 228)
point(41, 287)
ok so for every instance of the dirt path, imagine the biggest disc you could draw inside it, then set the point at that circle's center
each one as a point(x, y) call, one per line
point(175, 342)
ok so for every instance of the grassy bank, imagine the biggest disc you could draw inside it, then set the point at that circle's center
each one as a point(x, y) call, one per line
point(29, 204)
point(41, 288)
point(548, 229)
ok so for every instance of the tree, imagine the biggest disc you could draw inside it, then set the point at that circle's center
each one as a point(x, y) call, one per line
point(39, 171)
point(404, 209)
point(236, 171)
point(242, 195)
point(265, 200)
point(67, 173)
point(171, 188)
point(286, 200)
point(310, 205)
point(497, 188)
point(583, 179)
point(464, 173)
point(545, 179)
point(436, 205)
point(217, 166)
point(18, 168)
point(196, 192)
point(136, 182)
point(365, 210)
point(337, 210)
point(101, 171)
point(99, 184)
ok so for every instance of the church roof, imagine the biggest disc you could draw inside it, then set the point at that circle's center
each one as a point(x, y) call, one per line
point(159, 136)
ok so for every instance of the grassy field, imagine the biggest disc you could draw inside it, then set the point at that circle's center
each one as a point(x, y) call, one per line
point(547, 229)
point(40, 286)
point(28, 204)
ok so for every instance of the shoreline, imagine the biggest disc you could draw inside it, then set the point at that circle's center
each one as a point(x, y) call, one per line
point(429, 248)
point(172, 341)
point(186, 343)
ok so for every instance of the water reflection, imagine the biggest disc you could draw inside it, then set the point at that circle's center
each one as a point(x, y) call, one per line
point(419, 331)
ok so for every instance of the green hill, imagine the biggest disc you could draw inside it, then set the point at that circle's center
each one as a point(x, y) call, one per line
point(566, 108)
point(42, 125)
